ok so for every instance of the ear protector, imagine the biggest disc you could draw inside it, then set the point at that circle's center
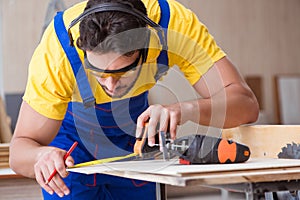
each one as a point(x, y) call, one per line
point(106, 7)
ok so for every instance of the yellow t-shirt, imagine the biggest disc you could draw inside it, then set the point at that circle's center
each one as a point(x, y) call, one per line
point(52, 85)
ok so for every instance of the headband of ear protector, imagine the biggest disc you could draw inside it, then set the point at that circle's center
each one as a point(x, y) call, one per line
point(106, 7)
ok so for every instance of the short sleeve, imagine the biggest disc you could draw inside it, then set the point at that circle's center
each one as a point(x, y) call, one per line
point(50, 82)
point(191, 47)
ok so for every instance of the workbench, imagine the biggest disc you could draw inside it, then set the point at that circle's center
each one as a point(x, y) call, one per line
point(251, 177)
point(262, 174)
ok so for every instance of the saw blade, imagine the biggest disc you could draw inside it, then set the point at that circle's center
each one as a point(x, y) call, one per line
point(291, 151)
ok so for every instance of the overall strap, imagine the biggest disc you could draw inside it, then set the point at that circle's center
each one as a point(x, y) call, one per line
point(76, 64)
point(163, 60)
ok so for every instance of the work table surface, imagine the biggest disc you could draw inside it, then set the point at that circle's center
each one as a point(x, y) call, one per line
point(170, 172)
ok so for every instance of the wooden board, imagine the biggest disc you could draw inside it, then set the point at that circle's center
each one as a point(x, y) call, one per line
point(4, 155)
point(264, 141)
point(170, 172)
point(5, 131)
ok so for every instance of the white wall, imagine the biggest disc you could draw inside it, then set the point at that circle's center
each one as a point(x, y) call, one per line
point(261, 37)
point(22, 28)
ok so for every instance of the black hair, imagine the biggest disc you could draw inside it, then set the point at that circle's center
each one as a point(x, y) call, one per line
point(110, 31)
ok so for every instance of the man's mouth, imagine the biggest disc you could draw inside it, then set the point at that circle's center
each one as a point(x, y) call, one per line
point(110, 92)
point(117, 92)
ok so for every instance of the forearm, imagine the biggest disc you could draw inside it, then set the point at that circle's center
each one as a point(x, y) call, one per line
point(24, 153)
point(32, 134)
point(228, 108)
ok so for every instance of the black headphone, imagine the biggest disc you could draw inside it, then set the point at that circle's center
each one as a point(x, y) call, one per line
point(105, 7)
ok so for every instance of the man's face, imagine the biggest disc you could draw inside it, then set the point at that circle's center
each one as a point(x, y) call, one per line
point(114, 72)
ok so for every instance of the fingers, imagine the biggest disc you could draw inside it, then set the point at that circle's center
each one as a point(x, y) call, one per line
point(141, 122)
point(69, 161)
point(173, 123)
point(47, 164)
point(56, 185)
point(39, 176)
point(152, 128)
point(61, 169)
point(167, 117)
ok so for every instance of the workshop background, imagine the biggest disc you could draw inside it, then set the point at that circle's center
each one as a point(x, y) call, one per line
point(261, 37)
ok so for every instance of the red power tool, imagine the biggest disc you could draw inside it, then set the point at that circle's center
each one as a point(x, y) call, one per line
point(203, 149)
point(193, 149)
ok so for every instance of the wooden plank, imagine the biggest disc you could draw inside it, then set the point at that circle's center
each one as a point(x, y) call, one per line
point(4, 155)
point(173, 168)
point(4, 159)
point(169, 172)
point(264, 141)
point(214, 178)
point(5, 131)
point(4, 165)
point(247, 176)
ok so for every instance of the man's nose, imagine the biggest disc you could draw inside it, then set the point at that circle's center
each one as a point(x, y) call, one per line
point(111, 83)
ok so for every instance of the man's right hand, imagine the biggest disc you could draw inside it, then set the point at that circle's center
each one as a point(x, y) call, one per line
point(47, 162)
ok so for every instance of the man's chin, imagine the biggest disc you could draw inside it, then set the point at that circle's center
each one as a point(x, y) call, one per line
point(115, 95)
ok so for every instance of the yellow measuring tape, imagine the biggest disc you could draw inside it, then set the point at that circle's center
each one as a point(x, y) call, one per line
point(105, 160)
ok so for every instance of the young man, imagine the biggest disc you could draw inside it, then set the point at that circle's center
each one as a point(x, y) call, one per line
point(96, 92)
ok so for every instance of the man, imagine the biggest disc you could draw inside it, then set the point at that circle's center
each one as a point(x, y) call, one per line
point(103, 104)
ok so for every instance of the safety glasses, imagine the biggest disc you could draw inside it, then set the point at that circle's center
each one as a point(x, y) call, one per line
point(124, 72)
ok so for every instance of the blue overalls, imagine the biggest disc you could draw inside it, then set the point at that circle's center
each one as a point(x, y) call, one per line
point(102, 131)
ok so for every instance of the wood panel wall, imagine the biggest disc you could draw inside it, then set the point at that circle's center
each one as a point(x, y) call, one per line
point(261, 37)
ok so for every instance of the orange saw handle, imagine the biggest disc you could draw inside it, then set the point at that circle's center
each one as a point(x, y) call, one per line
point(141, 146)
point(212, 150)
